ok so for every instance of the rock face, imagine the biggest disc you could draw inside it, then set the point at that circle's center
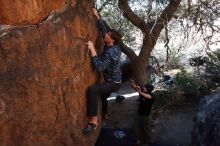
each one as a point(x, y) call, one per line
point(45, 71)
point(27, 11)
point(207, 122)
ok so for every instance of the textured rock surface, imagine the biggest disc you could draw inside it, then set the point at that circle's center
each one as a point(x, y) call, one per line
point(27, 11)
point(45, 71)
point(207, 122)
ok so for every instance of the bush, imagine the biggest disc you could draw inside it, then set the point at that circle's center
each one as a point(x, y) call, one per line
point(183, 86)
point(190, 84)
point(166, 93)
point(212, 67)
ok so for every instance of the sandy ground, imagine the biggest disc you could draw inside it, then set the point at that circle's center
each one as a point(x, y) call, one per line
point(172, 125)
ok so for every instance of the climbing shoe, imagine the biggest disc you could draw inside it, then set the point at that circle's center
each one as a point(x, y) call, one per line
point(89, 128)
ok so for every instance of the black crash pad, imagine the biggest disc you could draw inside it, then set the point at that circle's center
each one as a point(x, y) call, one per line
point(119, 137)
point(115, 137)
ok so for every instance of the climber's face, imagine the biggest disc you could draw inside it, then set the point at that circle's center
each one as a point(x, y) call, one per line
point(108, 39)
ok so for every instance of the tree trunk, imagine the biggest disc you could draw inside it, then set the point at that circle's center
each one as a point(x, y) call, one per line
point(151, 35)
point(139, 72)
point(45, 72)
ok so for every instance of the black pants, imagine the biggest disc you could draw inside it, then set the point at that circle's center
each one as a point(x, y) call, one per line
point(100, 91)
point(142, 128)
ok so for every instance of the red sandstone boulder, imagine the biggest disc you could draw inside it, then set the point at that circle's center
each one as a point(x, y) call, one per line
point(45, 70)
point(27, 11)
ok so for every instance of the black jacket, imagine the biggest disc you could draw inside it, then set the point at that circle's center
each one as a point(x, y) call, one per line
point(145, 105)
point(109, 62)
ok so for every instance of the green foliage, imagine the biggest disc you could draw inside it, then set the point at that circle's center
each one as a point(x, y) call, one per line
point(212, 66)
point(167, 94)
point(174, 61)
point(144, 9)
point(190, 84)
point(217, 54)
point(113, 16)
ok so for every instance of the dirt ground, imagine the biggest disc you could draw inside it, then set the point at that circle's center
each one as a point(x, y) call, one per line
point(172, 125)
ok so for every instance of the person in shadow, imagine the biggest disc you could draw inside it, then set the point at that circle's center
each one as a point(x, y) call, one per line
point(142, 119)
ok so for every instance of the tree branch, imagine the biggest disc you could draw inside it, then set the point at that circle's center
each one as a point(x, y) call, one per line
point(167, 43)
point(165, 17)
point(128, 51)
point(145, 52)
point(124, 48)
point(132, 17)
point(104, 4)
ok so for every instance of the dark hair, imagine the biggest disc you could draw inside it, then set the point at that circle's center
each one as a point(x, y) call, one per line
point(115, 35)
point(149, 87)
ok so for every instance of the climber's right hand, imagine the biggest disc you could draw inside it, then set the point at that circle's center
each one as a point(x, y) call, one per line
point(91, 48)
point(95, 12)
point(138, 89)
point(90, 45)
